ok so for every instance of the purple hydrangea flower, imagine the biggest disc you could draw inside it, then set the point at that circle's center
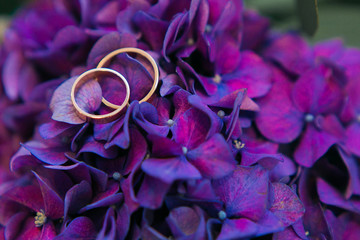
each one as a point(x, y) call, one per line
point(251, 133)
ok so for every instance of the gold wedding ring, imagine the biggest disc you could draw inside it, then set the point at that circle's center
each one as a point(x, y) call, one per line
point(92, 74)
point(108, 57)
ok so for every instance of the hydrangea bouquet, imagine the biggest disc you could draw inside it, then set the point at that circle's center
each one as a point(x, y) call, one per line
point(252, 133)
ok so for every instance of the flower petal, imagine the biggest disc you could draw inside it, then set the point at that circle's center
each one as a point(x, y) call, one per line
point(331, 196)
point(253, 74)
point(47, 154)
point(54, 205)
point(237, 228)
point(191, 128)
point(109, 42)
point(77, 197)
point(80, 227)
point(286, 205)
point(295, 60)
point(314, 143)
point(318, 92)
point(284, 122)
point(213, 158)
point(170, 169)
point(244, 192)
point(152, 192)
point(88, 98)
point(352, 140)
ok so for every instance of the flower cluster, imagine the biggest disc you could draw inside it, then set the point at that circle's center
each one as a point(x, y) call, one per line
point(252, 133)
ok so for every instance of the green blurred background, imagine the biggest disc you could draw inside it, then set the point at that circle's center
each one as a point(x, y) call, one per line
point(337, 18)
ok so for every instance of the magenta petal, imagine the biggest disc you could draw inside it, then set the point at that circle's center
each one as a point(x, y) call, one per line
point(332, 49)
point(170, 169)
point(269, 223)
point(286, 206)
point(53, 129)
point(181, 103)
point(244, 192)
point(119, 134)
point(146, 23)
point(331, 196)
point(354, 173)
point(186, 222)
point(108, 224)
point(29, 196)
point(268, 161)
point(164, 147)
point(108, 43)
point(123, 221)
point(317, 92)
point(11, 74)
point(295, 60)
point(88, 98)
point(352, 140)
point(237, 228)
point(283, 123)
point(287, 234)
point(77, 172)
point(137, 152)
point(215, 121)
point(77, 196)
point(54, 205)
point(93, 146)
point(152, 192)
point(228, 54)
point(283, 170)
point(314, 219)
point(313, 145)
point(48, 231)
point(213, 158)
point(14, 225)
point(69, 36)
point(170, 84)
point(352, 105)
point(191, 128)
point(8, 209)
point(330, 124)
point(253, 74)
point(127, 187)
point(47, 154)
point(79, 228)
point(256, 28)
point(106, 201)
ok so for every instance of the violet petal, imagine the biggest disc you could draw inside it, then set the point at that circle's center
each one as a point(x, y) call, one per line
point(213, 158)
point(286, 206)
point(244, 192)
point(80, 227)
point(170, 169)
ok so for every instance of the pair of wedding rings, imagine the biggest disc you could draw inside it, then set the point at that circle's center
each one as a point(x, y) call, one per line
point(101, 70)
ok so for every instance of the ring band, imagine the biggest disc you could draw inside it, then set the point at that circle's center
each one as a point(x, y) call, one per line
point(142, 53)
point(91, 74)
